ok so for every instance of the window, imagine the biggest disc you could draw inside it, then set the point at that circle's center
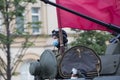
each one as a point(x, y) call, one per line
point(35, 10)
point(35, 20)
point(20, 24)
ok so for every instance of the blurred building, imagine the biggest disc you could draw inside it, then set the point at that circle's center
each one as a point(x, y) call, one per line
point(40, 36)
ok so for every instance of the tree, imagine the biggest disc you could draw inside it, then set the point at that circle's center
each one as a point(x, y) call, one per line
point(10, 10)
point(93, 39)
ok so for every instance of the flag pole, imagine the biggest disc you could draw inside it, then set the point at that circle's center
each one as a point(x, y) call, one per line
point(61, 50)
point(109, 26)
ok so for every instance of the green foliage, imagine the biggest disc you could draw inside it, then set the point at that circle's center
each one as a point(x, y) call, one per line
point(11, 9)
point(27, 43)
point(2, 5)
point(93, 39)
point(32, 1)
point(3, 39)
point(34, 24)
point(19, 8)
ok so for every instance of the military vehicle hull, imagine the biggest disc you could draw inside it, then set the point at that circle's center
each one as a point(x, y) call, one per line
point(90, 66)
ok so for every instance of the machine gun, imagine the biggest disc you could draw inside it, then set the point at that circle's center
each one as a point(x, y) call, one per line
point(85, 60)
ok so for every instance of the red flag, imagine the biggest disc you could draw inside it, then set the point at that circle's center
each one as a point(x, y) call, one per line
point(107, 11)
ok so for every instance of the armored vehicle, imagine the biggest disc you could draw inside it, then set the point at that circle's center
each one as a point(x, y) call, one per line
point(88, 64)
point(85, 60)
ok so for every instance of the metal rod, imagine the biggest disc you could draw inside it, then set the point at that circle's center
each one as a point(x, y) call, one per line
point(61, 51)
point(109, 26)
